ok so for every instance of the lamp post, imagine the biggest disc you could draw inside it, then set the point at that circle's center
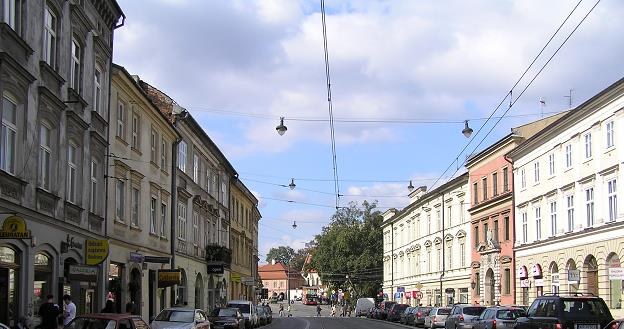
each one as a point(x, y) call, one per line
point(281, 129)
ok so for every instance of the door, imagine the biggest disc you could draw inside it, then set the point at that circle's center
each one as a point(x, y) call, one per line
point(4, 295)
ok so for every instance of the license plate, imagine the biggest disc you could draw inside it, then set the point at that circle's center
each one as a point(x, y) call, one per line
point(586, 326)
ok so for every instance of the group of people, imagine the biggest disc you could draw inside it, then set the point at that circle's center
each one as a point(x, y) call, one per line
point(281, 310)
point(345, 310)
point(52, 315)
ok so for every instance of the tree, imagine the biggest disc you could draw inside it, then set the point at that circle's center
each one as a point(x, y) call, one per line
point(352, 244)
point(281, 254)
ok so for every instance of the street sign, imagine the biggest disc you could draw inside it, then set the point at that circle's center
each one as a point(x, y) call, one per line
point(136, 257)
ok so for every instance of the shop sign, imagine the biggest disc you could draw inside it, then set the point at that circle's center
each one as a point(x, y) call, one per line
point(524, 283)
point(539, 282)
point(616, 273)
point(69, 243)
point(14, 227)
point(555, 279)
point(136, 257)
point(168, 278)
point(574, 276)
point(235, 277)
point(215, 269)
point(156, 259)
point(83, 273)
point(96, 251)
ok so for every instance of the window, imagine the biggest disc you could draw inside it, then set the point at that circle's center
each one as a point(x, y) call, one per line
point(551, 164)
point(135, 131)
point(72, 168)
point(589, 206)
point(462, 210)
point(9, 134)
point(495, 232)
point(553, 218)
point(485, 231)
point(507, 228)
point(75, 74)
point(97, 90)
point(536, 172)
point(568, 155)
point(94, 187)
point(223, 191)
point(439, 251)
point(494, 184)
point(538, 223)
point(588, 146)
point(476, 230)
point(485, 189)
point(49, 37)
point(505, 179)
point(135, 206)
point(182, 221)
point(475, 193)
point(182, 156)
point(206, 232)
point(163, 219)
point(612, 199)
point(428, 223)
point(196, 168)
point(525, 229)
point(449, 217)
point(195, 228)
point(121, 120)
point(522, 178)
point(45, 157)
point(154, 147)
point(153, 210)
point(478, 282)
point(462, 250)
point(449, 253)
point(507, 282)
point(570, 203)
point(120, 199)
point(610, 134)
point(12, 14)
point(163, 154)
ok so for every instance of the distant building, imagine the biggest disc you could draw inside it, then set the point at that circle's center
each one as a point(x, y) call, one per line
point(274, 278)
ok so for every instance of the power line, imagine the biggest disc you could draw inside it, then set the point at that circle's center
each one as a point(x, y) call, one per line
point(329, 106)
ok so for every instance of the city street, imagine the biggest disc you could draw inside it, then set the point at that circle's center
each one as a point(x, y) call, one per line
point(329, 323)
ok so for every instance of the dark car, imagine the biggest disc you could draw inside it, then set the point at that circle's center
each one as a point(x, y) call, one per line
point(394, 314)
point(227, 318)
point(615, 324)
point(384, 307)
point(566, 312)
point(462, 316)
point(499, 318)
point(263, 317)
point(269, 313)
point(108, 321)
point(404, 315)
point(419, 316)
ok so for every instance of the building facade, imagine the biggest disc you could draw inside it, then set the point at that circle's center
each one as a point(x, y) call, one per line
point(244, 216)
point(201, 214)
point(426, 247)
point(570, 231)
point(54, 80)
point(275, 278)
point(139, 194)
point(492, 217)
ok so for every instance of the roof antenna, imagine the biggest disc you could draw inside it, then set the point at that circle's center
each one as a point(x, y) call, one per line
point(569, 97)
point(542, 105)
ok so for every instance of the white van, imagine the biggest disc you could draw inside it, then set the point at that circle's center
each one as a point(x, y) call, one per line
point(249, 312)
point(363, 305)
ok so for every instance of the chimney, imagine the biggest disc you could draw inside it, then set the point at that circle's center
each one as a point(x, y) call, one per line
point(273, 261)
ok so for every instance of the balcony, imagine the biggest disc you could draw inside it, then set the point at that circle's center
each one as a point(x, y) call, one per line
point(217, 254)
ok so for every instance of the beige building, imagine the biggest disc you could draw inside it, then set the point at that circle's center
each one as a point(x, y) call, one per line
point(569, 229)
point(139, 194)
point(244, 216)
point(427, 247)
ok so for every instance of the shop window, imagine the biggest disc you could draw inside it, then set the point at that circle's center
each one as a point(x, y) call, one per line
point(43, 279)
point(9, 283)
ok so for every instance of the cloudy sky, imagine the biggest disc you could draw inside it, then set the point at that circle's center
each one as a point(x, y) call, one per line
point(405, 75)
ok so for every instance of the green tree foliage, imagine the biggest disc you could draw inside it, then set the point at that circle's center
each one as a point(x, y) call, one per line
point(352, 244)
point(281, 254)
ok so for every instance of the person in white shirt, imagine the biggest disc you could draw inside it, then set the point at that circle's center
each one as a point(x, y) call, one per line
point(70, 310)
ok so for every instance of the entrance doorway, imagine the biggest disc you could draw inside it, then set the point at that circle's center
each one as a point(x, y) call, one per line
point(490, 290)
point(134, 289)
point(9, 283)
point(591, 268)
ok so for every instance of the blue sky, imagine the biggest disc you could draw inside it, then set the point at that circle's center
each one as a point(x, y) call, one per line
point(413, 69)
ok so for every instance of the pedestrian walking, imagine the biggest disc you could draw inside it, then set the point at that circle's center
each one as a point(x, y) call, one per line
point(70, 310)
point(49, 313)
point(318, 310)
point(333, 310)
point(288, 311)
point(281, 310)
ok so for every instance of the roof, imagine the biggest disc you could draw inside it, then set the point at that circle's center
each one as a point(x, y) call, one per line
point(275, 271)
point(272, 267)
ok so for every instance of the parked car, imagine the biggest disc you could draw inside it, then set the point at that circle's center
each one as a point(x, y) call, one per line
point(499, 318)
point(436, 317)
point(384, 307)
point(362, 305)
point(403, 319)
point(409, 318)
point(269, 313)
point(576, 311)
point(227, 318)
point(180, 318)
point(108, 321)
point(419, 316)
point(615, 324)
point(462, 316)
point(249, 312)
point(263, 318)
point(394, 314)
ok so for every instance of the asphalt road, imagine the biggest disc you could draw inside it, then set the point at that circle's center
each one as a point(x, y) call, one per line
point(329, 323)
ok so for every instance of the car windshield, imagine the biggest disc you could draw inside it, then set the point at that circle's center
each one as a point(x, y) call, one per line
point(400, 307)
point(510, 314)
point(444, 311)
point(424, 310)
point(244, 308)
point(91, 323)
point(473, 310)
point(225, 312)
point(578, 308)
point(176, 316)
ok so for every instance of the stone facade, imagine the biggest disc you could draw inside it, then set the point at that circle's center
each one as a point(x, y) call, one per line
point(54, 81)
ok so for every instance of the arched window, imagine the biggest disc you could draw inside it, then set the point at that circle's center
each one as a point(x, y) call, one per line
point(554, 278)
point(615, 286)
point(43, 284)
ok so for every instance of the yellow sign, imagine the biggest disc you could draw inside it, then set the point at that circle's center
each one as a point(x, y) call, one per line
point(96, 251)
point(235, 277)
point(168, 278)
point(14, 227)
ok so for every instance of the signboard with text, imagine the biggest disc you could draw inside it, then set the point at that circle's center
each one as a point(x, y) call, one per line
point(168, 278)
point(616, 273)
point(14, 227)
point(574, 276)
point(83, 273)
point(96, 251)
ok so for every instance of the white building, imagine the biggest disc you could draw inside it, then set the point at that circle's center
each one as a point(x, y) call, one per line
point(427, 246)
point(569, 230)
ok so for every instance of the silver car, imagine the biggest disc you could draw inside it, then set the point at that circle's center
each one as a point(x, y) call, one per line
point(436, 317)
point(181, 318)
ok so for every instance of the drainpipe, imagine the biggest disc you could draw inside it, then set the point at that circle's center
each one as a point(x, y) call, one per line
point(513, 228)
point(174, 206)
